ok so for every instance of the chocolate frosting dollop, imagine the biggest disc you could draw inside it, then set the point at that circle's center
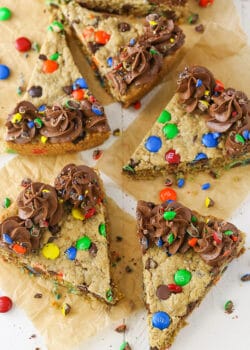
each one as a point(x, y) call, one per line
point(15, 228)
point(213, 250)
point(227, 108)
point(19, 131)
point(191, 91)
point(79, 185)
point(140, 63)
point(39, 202)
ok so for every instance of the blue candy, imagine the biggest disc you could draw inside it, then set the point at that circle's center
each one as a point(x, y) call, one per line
point(31, 124)
point(180, 183)
point(199, 83)
point(7, 239)
point(80, 197)
point(246, 134)
point(210, 139)
point(41, 108)
point(110, 61)
point(153, 144)
point(200, 156)
point(4, 72)
point(80, 83)
point(97, 110)
point(159, 242)
point(161, 320)
point(71, 253)
point(132, 42)
point(205, 186)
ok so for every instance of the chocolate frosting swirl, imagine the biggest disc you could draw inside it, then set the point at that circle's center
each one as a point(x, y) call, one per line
point(235, 148)
point(39, 203)
point(227, 108)
point(152, 226)
point(15, 228)
point(79, 185)
point(62, 124)
point(19, 131)
point(140, 64)
point(190, 94)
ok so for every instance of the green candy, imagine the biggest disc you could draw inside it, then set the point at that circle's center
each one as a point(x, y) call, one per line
point(56, 26)
point(182, 277)
point(123, 346)
point(102, 230)
point(194, 219)
point(55, 56)
point(171, 238)
point(5, 13)
point(228, 233)
point(83, 243)
point(170, 131)
point(154, 52)
point(38, 123)
point(239, 138)
point(164, 117)
point(6, 202)
point(169, 215)
point(109, 295)
point(128, 168)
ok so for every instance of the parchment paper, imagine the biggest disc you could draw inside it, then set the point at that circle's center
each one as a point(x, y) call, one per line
point(87, 316)
point(229, 61)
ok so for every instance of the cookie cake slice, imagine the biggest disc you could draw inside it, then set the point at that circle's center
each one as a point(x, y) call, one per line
point(204, 126)
point(184, 255)
point(130, 55)
point(58, 113)
point(60, 232)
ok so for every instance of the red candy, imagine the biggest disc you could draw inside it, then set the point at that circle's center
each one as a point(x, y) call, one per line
point(137, 105)
point(49, 66)
point(168, 193)
point(205, 3)
point(219, 87)
point(174, 288)
point(23, 44)
point(172, 157)
point(5, 304)
point(101, 37)
point(90, 213)
point(216, 238)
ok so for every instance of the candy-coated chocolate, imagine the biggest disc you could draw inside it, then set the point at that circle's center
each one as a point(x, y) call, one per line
point(102, 230)
point(164, 117)
point(182, 277)
point(5, 13)
point(170, 131)
point(172, 157)
point(5, 304)
point(80, 83)
point(161, 320)
point(169, 215)
point(49, 66)
point(77, 214)
point(83, 243)
point(153, 144)
point(4, 72)
point(22, 44)
point(71, 253)
point(50, 251)
point(168, 193)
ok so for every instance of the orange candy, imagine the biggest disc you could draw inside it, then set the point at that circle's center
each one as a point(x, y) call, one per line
point(192, 241)
point(49, 66)
point(101, 37)
point(168, 193)
point(19, 249)
point(78, 94)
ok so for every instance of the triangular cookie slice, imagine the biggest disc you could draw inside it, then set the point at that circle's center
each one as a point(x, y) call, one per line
point(184, 255)
point(204, 126)
point(139, 7)
point(58, 113)
point(129, 54)
point(61, 233)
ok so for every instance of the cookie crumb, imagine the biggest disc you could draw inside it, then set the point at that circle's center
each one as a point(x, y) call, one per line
point(200, 28)
point(38, 295)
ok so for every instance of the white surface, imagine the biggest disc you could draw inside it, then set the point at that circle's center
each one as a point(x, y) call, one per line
point(209, 327)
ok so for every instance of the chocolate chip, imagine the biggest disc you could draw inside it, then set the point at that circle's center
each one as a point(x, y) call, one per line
point(51, 239)
point(116, 132)
point(123, 27)
point(94, 47)
point(246, 277)
point(73, 104)
point(163, 292)
point(35, 91)
point(121, 329)
point(151, 264)
point(68, 89)
point(38, 295)
point(32, 336)
point(128, 269)
point(54, 229)
point(200, 28)
point(42, 57)
point(93, 250)
point(213, 174)
point(119, 238)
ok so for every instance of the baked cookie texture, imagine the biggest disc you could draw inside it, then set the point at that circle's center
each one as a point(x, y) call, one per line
point(184, 255)
point(204, 126)
point(58, 113)
point(61, 232)
point(130, 55)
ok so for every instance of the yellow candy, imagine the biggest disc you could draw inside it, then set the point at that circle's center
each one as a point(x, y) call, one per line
point(205, 103)
point(207, 93)
point(47, 191)
point(44, 139)
point(209, 202)
point(172, 40)
point(65, 309)
point(51, 251)
point(153, 23)
point(77, 214)
point(60, 200)
point(16, 118)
